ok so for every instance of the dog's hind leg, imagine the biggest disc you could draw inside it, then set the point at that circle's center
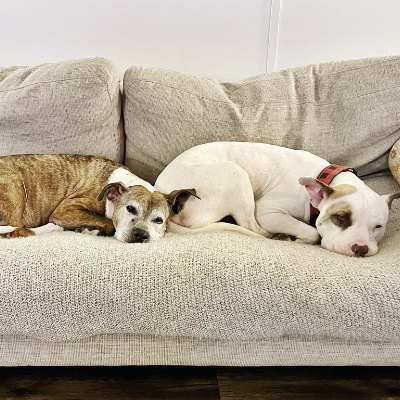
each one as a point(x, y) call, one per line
point(240, 194)
point(224, 188)
point(12, 208)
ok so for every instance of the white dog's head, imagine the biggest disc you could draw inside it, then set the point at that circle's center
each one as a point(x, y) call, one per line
point(140, 215)
point(352, 219)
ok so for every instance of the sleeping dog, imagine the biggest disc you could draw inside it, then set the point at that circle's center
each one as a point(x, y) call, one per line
point(268, 190)
point(48, 192)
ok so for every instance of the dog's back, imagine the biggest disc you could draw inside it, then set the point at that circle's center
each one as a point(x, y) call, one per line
point(37, 183)
point(266, 165)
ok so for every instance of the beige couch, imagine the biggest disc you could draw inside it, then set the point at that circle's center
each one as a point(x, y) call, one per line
point(204, 299)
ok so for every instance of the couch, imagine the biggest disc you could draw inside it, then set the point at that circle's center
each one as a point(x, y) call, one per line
point(209, 298)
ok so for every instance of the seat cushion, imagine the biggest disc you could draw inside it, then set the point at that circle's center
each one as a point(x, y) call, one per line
point(217, 286)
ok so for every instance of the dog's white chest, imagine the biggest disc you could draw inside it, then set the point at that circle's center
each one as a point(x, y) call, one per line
point(128, 179)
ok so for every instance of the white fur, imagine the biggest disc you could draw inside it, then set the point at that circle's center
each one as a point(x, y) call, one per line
point(128, 179)
point(40, 230)
point(258, 185)
point(6, 229)
point(93, 232)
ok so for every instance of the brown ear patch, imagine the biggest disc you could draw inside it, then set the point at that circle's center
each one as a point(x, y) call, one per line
point(339, 214)
point(342, 190)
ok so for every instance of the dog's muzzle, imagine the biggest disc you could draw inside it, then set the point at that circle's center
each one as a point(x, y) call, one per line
point(139, 236)
point(359, 251)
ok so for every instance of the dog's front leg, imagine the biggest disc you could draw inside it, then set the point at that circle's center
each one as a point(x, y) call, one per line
point(78, 214)
point(278, 222)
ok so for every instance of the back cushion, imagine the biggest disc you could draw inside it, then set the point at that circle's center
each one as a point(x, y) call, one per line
point(67, 107)
point(347, 112)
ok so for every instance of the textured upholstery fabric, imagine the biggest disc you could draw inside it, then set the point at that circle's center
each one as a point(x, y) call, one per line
point(346, 112)
point(131, 349)
point(67, 107)
point(69, 286)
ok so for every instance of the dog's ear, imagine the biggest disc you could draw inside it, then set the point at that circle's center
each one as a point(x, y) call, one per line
point(390, 197)
point(178, 198)
point(112, 191)
point(316, 190)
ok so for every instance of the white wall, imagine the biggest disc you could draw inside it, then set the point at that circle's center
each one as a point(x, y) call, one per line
point(311, 31)
point(223, 39)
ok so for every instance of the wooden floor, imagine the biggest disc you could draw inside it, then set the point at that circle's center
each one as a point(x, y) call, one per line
point(195, 383)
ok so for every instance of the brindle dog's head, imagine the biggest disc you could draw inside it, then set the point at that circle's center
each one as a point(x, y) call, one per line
point(140, 215)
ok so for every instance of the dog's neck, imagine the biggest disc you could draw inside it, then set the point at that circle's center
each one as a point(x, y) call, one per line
point(329, 173)
point(333, 174)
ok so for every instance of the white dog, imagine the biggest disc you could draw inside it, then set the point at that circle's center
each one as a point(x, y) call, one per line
point(268, 190)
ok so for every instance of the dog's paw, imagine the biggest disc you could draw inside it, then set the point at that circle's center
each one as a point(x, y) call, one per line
point(283, 237)
point(309, 237)
point(87, 231)
point(50, 227)
point(20, 232)
point(107, 230)
point(312, 237)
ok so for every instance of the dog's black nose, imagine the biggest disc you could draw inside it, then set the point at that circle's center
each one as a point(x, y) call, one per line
point(359, 251)
point(139, 236)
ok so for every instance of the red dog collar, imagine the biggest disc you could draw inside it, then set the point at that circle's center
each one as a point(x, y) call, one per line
point(326, 176)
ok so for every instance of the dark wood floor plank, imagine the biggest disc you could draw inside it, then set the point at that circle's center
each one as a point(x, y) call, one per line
point(309, 383)
point(108, 383)
point(195, 383)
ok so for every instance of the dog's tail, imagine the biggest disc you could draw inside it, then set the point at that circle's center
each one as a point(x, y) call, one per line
point(217, 226)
